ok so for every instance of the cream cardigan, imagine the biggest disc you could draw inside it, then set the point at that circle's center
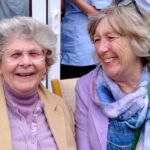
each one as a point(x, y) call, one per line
point(58, 116)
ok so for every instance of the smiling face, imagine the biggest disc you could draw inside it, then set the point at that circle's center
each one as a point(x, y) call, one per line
point(115, 52)
point(23, 76)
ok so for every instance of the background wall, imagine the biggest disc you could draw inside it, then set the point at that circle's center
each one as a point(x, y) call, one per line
point(48, 12)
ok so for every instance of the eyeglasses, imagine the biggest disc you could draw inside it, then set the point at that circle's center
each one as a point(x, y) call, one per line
point(17, 55)
point(126, 3)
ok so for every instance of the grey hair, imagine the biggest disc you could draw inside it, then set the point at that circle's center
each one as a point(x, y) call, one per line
point(28, 28)
point(125, 21)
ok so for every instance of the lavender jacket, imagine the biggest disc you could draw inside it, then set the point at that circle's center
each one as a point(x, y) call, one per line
point(91, 124)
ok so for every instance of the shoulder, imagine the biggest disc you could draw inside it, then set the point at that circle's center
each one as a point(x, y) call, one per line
point(56, 110)
point(85, 86)
point(86, 77)
point(85, 80)
point(50, 99)
point(84, 89)
point(53, 102)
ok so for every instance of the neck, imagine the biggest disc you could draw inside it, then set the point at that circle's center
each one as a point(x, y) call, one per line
point(20, 99)
point(25, 103)
point(129, 86)
point(130, 82)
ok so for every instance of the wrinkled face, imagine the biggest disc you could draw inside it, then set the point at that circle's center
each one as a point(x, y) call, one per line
point(114, 52)
point(21, 73)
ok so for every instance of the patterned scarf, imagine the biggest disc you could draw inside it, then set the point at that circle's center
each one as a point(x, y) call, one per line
point(133, 108)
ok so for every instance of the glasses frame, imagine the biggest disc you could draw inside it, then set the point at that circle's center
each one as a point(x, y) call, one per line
point(22, 55)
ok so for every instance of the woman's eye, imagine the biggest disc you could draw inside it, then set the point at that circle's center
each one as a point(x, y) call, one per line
point(35, 54)
point(15, 55)
point(111, 37)
point(96, 40)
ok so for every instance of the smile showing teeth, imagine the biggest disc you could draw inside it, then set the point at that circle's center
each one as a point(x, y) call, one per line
point(108, 60)
point(25, 74)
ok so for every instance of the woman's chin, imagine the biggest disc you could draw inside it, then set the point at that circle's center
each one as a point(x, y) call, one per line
point(25, 89)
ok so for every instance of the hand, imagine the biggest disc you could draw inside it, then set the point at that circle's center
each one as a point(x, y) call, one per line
point(85, 6)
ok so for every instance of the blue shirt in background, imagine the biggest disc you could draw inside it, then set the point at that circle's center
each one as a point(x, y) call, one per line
point(76, 46)
point(10, 8)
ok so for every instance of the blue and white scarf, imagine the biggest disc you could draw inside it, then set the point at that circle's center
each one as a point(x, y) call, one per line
point(133, 108)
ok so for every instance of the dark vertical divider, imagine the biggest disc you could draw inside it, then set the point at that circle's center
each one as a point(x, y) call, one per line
point(47, 79)
point(30, 8)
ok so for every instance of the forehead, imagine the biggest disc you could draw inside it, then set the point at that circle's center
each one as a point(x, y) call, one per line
point(20, 43)
point(104, 27)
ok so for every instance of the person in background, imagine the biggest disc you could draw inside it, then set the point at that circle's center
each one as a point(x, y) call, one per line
point(11, 8)
point(30, 116)
point(112, 101)
point(77, 50)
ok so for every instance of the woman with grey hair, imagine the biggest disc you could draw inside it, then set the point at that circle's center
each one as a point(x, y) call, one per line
point(112, 101)
point(30, 115)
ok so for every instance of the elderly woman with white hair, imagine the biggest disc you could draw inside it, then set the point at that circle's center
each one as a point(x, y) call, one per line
point(31, 117)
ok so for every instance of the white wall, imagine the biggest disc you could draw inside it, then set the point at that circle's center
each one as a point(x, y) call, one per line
point(54, 14)
point(39, 12)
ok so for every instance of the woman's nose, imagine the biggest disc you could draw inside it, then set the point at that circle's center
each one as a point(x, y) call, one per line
point(103, 46)
point(26, 60)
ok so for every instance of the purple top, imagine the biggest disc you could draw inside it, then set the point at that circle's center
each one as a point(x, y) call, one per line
point(29, 127)
point(91, 123)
